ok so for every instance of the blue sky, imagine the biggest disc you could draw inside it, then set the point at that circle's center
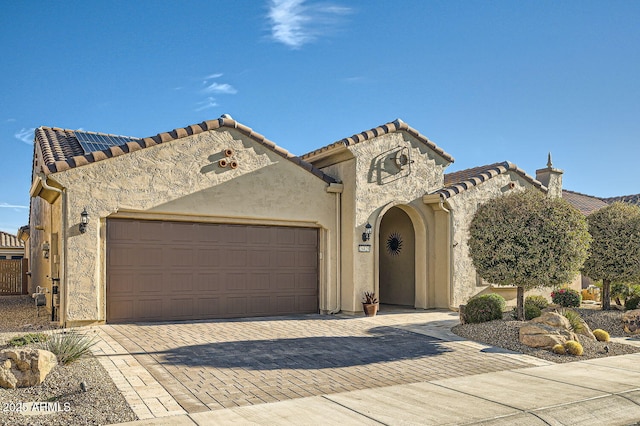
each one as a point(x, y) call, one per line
point(487, 81)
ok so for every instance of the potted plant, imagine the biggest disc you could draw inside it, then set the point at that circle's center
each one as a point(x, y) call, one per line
point(370, 304)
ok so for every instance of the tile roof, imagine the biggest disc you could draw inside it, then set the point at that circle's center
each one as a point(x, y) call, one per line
point(460, 181)
point(393, 126)
point(10, 241)
point(61, 150)
point(629, 199)
point(587, 204)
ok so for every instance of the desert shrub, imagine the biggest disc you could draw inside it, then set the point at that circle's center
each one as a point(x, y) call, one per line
point(566, 297)
point(483, 308)
point(28, 339)
point(531, 311)
point(573, 347)
point(575, 321)
point(632, 303)
point(586, 295)
point(558, 349)
point(68, 346)
point(601, 335)
point(537, 300)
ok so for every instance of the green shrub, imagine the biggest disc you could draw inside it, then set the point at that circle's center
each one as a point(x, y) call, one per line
point(573, 347)
point(601, 335)
point(28, 339)
point(537, 300)
point(632, 303)
point(484, 308)
point(531, 311)
point(68, 346)
point(566, 297)
point(558, 349)
point(575, 321)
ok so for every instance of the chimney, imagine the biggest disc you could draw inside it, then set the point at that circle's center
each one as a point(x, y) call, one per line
point(551, 178)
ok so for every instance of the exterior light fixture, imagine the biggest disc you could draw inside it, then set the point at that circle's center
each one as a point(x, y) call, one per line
point(366, 235)
point(84, 221)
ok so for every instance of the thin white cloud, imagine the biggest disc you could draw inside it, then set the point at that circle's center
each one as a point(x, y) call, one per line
point(12, 206)
point(206, 104)
point(222, 88)
point(296, 23)
point(11, 120)
point(25, 135)
point(213, 76)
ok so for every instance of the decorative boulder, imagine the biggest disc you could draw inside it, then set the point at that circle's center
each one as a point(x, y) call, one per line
point(544, 336)
point(553, 319)
point(631, 321)
point(586, 331)
point(21, 368)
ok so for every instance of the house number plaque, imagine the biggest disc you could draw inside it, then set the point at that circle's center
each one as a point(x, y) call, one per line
point(364, 248)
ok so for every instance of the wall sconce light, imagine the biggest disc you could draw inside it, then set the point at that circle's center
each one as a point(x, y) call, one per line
point(366, 235)
point(45, 249)
point(84, 221)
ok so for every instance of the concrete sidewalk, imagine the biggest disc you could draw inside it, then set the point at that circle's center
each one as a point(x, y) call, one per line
point(603, 391)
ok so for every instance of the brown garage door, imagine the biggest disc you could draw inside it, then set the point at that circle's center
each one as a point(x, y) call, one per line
point(159, 271)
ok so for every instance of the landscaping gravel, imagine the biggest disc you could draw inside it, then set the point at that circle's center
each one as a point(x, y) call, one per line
point(504, 334)
point(101, 404)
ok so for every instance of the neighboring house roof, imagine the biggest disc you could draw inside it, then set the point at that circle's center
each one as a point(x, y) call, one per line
point(393, 126)
point(587, 204)
point(10, 241)
point(629, 199)
point(460, 181)
point(61, 149)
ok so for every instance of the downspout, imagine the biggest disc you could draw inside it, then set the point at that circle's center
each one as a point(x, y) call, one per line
point(337, 189)
point(63, 248)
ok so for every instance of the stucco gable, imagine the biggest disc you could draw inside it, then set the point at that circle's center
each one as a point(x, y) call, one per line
point(460, 181)
point(391, 127)
point(61, 150)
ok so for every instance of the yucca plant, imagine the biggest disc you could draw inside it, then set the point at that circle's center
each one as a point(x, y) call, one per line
point(575, 321)
point(68, 346)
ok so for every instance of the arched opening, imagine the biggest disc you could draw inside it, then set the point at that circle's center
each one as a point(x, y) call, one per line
point(397, 255)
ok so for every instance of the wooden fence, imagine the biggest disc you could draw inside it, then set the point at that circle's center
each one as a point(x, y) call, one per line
point(13, 278)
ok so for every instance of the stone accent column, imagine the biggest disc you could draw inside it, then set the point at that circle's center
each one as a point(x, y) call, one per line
point(551, 178)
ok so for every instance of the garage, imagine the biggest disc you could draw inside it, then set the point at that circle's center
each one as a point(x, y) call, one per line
point(165, 271)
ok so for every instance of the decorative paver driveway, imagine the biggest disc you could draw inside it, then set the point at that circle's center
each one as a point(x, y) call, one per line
point(227, 363)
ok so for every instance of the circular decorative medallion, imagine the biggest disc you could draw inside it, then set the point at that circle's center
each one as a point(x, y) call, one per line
point(394, 244)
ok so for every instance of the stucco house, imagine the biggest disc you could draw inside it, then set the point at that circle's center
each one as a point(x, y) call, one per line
point(213, 220)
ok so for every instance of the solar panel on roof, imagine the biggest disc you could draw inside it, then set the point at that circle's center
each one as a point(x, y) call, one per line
point(92, 142)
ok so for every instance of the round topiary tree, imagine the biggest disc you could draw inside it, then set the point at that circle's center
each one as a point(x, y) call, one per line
point(528, 240)
point(614, 254)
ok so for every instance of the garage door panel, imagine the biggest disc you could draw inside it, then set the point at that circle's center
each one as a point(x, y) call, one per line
point(235, 282)
point(149, 309)
point(307, 259)
point(180, 308)
point(306, 281)
point(178, 283)
point(174, 271)
point(236, 305)
point(180, 257)
point(208, 307)
point(258, 282)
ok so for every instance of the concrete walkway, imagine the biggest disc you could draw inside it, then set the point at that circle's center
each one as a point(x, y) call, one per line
point(603, 391)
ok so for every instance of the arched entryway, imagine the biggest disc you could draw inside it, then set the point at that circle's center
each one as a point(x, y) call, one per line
point(397, 259)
